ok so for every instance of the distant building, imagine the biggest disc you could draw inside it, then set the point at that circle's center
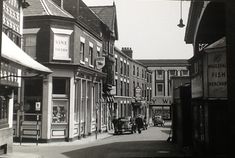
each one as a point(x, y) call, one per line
point(108, 16)
point(132, 84)
point(162, 71)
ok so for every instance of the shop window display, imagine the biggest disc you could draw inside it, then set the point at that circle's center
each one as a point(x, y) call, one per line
point(59, 111)
point(60, 100)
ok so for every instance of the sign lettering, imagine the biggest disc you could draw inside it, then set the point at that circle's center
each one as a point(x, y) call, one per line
point(217, 74)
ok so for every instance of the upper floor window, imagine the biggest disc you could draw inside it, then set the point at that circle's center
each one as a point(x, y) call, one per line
point(29, 45)
point(116, 62)
point(159, 74)
point(133, 69)
point(98, 52)
point(30, 41)
point(124, 68)
point(61, 44)
point(185, 72)
point(91, 53)
point(128, 69)
point(121, 67)
point(160, 88)
point(82, 49)
point(137, 71)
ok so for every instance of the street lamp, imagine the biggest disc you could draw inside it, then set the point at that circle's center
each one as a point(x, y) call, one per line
point(181, 24)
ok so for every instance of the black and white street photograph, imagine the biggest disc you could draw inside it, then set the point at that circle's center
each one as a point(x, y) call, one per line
point(117, 78)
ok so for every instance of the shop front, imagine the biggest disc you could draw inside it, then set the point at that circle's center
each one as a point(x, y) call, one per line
point(209, 99)
point(15, 64)
point(161, 106)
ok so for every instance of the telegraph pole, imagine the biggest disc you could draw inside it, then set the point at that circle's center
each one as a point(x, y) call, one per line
point(1, 21)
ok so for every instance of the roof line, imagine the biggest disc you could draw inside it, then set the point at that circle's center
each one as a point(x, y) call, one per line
point(64, 11)
point(95, 6)
point(45, 7)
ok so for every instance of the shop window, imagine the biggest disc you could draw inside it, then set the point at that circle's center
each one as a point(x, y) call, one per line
point(3, 111)
point(29, 44)
point(84, 95)
point(60, 100)
point(31, 97)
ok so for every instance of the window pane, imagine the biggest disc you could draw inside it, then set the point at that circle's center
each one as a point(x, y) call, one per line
point(91, 55)
point(82, 51)
point(59, 111)
point(59, 86)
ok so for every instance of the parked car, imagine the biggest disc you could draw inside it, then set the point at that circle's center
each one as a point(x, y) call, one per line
point(157, 120)
point(123, 125)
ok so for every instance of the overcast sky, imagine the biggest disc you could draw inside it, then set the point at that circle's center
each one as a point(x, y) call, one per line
point(150, 28)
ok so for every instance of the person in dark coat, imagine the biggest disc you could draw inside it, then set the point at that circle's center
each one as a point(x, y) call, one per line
point(139, 123)
point(115, 124)
point(132, 120)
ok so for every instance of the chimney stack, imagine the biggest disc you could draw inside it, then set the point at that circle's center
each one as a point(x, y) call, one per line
point(128, 51)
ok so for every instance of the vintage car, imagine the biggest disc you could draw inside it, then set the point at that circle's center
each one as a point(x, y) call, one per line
point(123, 125)
point(157, 120)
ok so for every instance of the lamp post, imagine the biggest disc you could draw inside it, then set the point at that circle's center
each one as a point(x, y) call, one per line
point(1, 21)
point(181, 24)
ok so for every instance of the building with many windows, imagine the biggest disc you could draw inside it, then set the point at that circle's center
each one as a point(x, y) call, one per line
point(132, 85)
point(162, 71)
point(69, 41)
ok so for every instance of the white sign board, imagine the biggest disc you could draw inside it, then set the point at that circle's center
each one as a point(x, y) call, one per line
point(37, 106)
point(61, 47)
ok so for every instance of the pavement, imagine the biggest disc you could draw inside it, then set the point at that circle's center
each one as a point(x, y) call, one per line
point(21, 154)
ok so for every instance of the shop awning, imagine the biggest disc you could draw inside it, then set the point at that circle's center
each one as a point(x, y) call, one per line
point(15, 54)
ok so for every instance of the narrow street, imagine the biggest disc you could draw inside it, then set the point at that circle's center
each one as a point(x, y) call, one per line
point(150, 143)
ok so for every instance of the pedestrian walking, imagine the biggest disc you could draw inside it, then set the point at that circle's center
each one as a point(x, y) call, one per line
point(139, 123)
point(132, 121)
point(115, 124)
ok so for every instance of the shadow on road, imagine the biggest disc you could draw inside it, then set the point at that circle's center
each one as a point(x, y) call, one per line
point(166, 131)
point(137, 149)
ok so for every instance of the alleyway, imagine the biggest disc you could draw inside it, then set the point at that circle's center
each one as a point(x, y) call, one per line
point(150, 143)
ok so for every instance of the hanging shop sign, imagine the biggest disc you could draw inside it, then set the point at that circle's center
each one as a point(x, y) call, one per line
point(138, 93)
point(100, 62)
point(217, 74)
